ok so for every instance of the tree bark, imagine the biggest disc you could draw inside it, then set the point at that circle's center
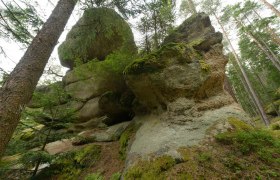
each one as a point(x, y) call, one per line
point(271, 7)
point(19, 87)
point(246, 79)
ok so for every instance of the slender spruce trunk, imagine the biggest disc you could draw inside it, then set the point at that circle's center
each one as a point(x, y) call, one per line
point(245, 77)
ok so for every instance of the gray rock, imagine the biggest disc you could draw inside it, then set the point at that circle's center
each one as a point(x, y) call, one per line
point(162, 135)
point(98, 83)
point(89, 111)
point(113, 133)
point(63, 111)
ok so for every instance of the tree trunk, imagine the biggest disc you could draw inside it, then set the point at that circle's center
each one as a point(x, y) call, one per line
point(246, 79)
point(192, 6)
point(262, 46)
point(19, 87)
point(271, 7)
point(267, 53)
point(274, 36)
point(155, 24)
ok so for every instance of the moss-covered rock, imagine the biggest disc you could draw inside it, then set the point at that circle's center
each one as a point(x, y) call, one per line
point(196, 30)
point(125, 139)
point(97, 77)
point(97, 34)
point(176, 70)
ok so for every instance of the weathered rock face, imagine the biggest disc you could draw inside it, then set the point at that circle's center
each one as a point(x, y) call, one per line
point(180, 69)
point(196, 30)
point(181, 85)
point(97, 34)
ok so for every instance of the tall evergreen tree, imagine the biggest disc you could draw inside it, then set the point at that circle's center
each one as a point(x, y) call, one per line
point(271, 7)
point(18, 88)
point(211, 7)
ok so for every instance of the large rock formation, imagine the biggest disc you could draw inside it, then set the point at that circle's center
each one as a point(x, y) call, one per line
point(162, 116)
point(181, 85)
point(97, 50)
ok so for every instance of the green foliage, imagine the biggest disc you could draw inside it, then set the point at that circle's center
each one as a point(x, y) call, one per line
point(204, 157)
point(21, 23)
point(254, 141)
point(112, 66)
point(155, 61)
point(154, 169)
point(257, 63)
point(239, 125)
point(31, 158)
point(18, 144)
point(94, 176)
point(69, 165)
point(156, 23)
point(116, 176)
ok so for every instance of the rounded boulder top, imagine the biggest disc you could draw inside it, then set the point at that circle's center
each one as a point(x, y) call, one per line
point(98, 33)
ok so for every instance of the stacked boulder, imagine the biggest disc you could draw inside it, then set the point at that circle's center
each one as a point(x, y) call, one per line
point(97, 49)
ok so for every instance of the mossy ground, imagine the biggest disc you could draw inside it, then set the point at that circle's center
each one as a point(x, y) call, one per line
point(71, 164)
point(244, 153)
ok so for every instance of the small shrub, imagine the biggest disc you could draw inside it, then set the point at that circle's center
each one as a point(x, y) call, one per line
point(31, 158)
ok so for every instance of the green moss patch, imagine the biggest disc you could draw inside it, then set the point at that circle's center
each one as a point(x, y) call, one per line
point(125, 139)
point(71, 164)
point(155, 61)
point(239, 125)
point(100, 32)
point(155, 169)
